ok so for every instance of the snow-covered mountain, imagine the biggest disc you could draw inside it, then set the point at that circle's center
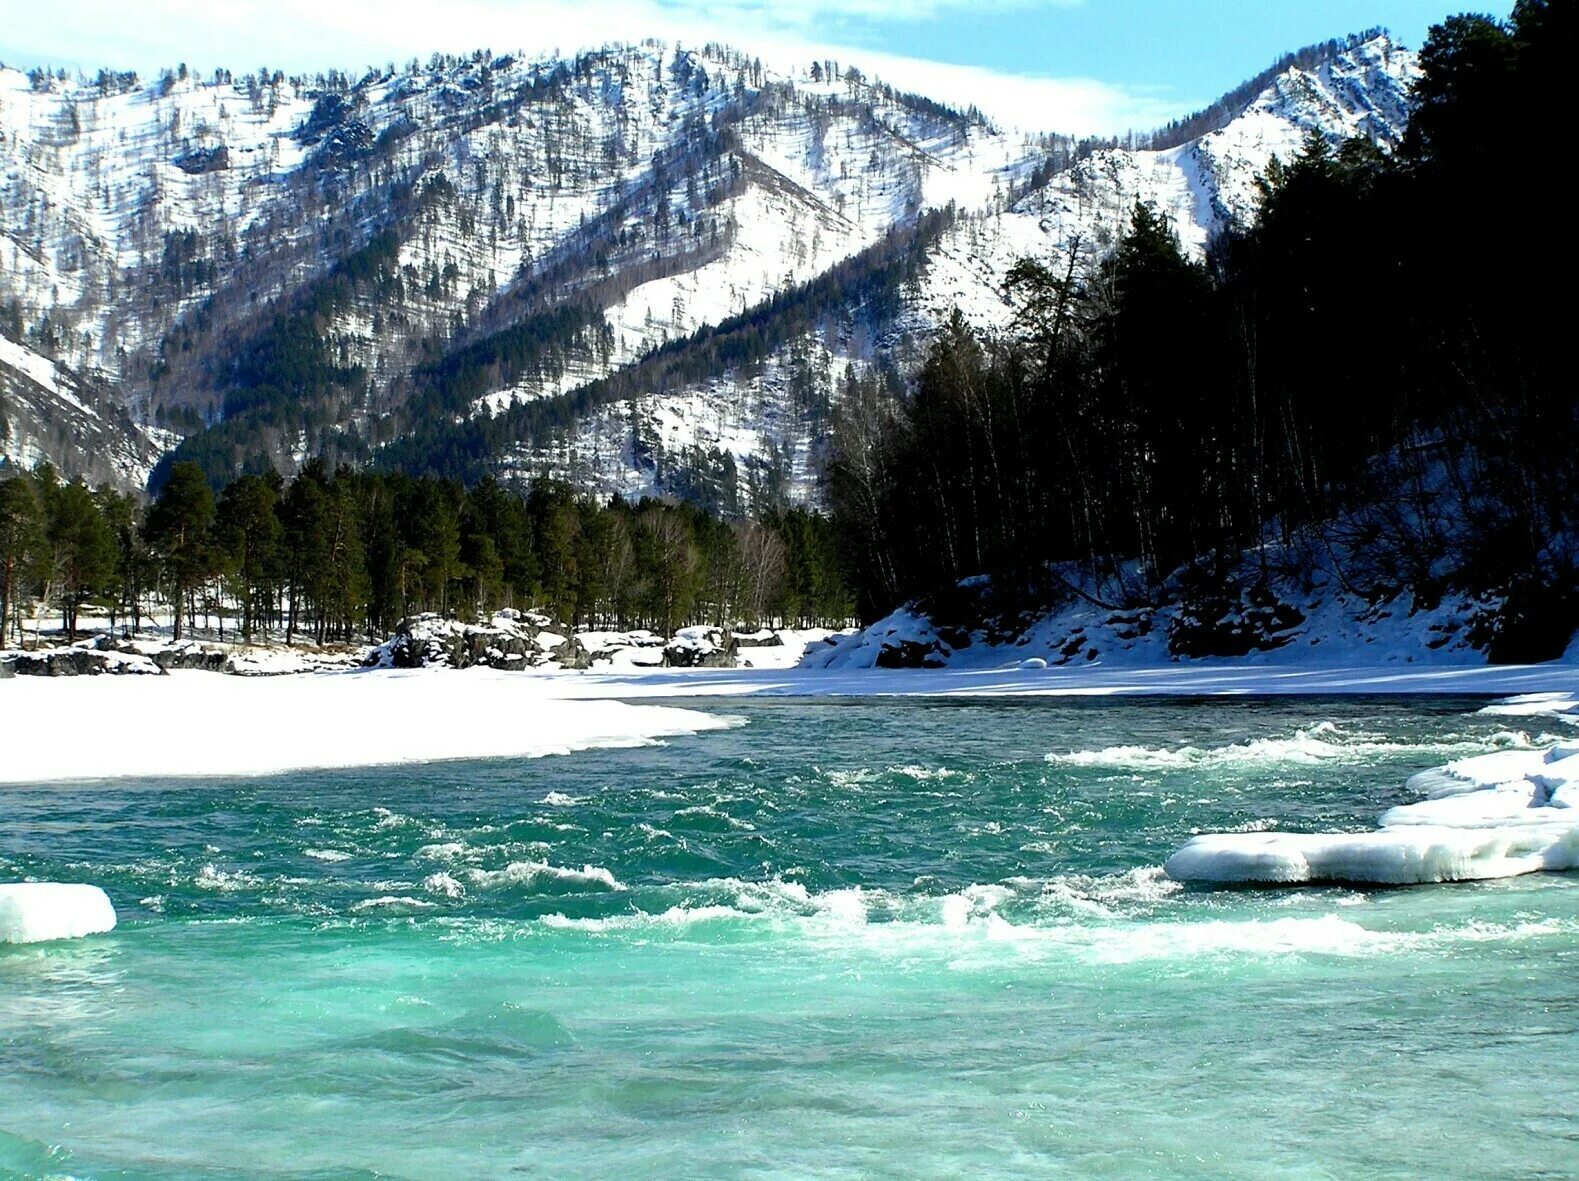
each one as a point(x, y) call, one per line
point(644, 268)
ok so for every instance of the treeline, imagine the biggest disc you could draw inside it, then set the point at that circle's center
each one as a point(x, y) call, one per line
point(1372, 359)
point(337, 556)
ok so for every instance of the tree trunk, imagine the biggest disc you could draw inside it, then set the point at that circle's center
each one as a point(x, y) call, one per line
point(5, 598)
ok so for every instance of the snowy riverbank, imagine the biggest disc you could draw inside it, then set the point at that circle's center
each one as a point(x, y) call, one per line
point(196, 723)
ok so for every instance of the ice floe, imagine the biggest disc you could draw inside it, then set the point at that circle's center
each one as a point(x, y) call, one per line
point(37, 912)
point(1494, 815)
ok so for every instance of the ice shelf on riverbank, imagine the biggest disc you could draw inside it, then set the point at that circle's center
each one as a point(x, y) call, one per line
point(192, 723)
point(1490, 816)
point(38, 912)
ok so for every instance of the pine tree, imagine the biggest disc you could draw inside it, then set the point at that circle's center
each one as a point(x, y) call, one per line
point(83, 549)
point(21, 539)
point(249, 535)
point(177, 531)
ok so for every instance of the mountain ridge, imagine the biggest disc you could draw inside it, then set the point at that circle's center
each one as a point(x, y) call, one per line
point(161, 238)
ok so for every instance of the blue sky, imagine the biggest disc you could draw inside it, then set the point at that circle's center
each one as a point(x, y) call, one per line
point(1199, 49)
point(1072, 65)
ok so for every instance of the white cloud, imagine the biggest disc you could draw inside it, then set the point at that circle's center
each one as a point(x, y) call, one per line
point(317, 34)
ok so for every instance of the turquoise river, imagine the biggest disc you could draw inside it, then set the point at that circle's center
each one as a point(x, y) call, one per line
point(844, 939)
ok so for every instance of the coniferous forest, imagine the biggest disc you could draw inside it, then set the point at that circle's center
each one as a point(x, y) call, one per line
point(346, 555)
point(1360, 371)
point(1366, 373)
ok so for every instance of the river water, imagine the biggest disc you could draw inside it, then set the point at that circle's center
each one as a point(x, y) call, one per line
point(843, 939)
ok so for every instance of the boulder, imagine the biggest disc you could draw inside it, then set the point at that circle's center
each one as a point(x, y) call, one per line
point(1215, 624)
point(60, 662)
point(766, 638)
point(896, 653)
point(701, 647)
point(512, 640)
point(192, 657)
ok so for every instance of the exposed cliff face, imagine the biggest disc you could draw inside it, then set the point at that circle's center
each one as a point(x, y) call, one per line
point(441, 259)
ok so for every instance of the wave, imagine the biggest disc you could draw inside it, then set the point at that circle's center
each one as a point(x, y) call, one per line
point(864, 775)
point(1322, 742)
point(542, 874)
point(330, 855)
point(392, 902)
point(979, 917)
point(445, 884)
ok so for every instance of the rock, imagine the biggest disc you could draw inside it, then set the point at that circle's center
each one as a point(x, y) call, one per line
point(766, 638)
point(60, 662)
point(1212, 624)
point(512, 640)
point(701, 647)
point(572, 654)
point(7, 667)
point(198, 161)
point(192, 657)
point(911, 654)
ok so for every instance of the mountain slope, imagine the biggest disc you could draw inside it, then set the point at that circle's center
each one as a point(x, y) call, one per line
point(450, 266)
point(48, 413)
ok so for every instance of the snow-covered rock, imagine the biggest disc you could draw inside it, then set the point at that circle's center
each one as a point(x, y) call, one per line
point(511, 640)
point(701, 647)
point(37, 912)
point(104, 653)
point(1303, 615)
point(623, 651)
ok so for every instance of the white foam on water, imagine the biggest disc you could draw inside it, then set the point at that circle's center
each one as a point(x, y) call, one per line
point(39, 912)
point(966, 929)
point(536, 873)
point(445, 884)
point(392, 902)
point(211, 877)
point(443, 851)
point(330, 855)
point(1320, 743)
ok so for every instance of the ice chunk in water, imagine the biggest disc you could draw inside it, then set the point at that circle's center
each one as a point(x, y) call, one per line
point(34, 912)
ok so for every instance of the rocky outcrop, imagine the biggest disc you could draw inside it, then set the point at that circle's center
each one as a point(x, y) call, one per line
point(701, 647)
point(905, 653)
point(512, 640)
point(199, 161)
point(766, 638)
point(76, 661)
point(1216, 624)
